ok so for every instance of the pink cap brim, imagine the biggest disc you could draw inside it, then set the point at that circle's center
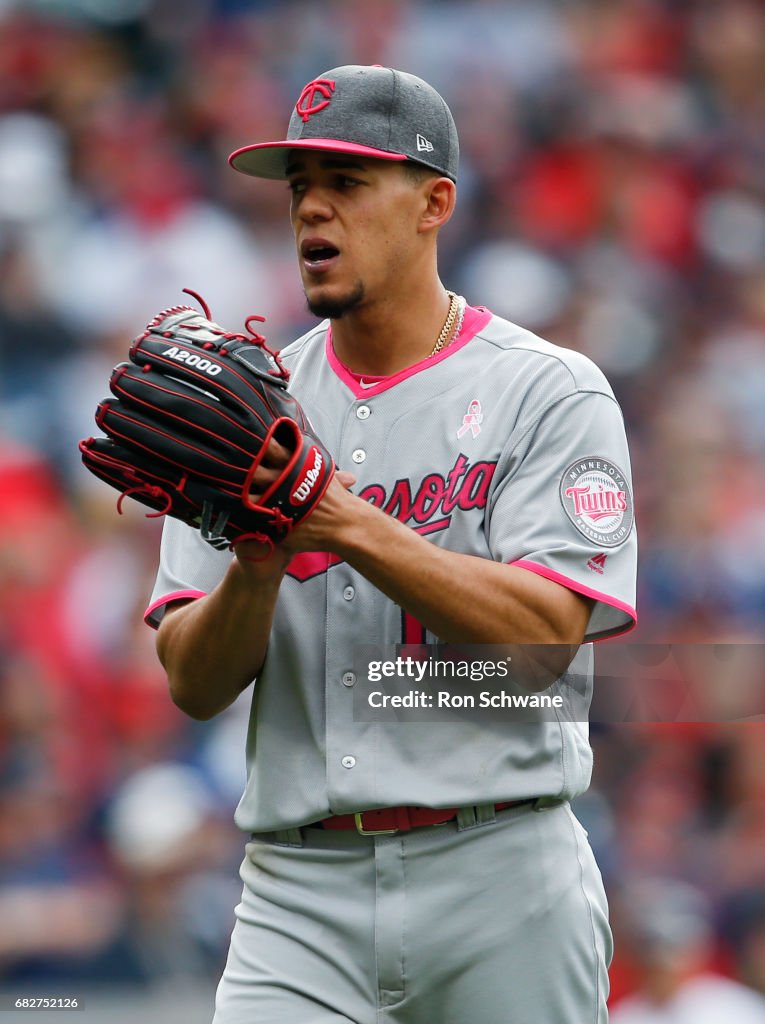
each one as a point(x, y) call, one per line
point(269, 159)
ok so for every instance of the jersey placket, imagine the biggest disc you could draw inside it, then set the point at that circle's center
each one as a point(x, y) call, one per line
point(351, 620)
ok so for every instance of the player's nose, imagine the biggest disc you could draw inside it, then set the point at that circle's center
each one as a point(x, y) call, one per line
point(312, 204)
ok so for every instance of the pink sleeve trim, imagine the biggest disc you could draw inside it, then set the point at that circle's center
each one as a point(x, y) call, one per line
point(178, 595)
point(581, 588)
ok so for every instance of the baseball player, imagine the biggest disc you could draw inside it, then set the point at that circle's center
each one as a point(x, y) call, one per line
point(408, 871)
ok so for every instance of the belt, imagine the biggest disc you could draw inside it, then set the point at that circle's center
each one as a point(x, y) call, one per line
point(389, 820)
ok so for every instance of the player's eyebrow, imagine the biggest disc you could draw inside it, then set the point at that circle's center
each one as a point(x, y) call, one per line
point(329, 164)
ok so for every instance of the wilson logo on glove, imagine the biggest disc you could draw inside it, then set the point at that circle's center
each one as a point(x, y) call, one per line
point(303, 490)
point(181, 355)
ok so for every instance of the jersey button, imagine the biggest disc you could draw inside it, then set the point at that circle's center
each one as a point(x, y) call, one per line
point(349, 593)
point(359, 455)
point(348, 761)
point(349, 678)
point(363, 412)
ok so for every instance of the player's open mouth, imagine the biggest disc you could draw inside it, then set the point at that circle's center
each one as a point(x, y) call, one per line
point(318, 254)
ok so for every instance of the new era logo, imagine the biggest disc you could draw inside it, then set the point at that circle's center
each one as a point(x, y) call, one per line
point(423, 146)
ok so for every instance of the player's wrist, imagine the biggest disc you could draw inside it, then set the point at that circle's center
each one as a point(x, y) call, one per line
point(259, 563)
point(356, 529)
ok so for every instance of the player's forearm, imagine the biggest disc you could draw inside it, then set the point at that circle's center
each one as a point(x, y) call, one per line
point(459, 598)
point(213, 648)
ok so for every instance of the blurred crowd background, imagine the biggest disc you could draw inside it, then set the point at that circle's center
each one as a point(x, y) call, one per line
point(611, 199)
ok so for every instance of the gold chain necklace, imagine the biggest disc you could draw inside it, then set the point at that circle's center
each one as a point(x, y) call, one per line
point(446, 330)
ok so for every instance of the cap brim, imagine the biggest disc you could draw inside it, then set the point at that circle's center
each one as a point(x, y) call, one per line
point(269, 159)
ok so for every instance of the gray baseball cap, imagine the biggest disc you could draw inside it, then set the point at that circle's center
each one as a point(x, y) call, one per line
point(367, 111)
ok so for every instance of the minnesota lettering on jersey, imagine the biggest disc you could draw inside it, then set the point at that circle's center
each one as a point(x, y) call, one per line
point(428, 507)
point(465, 486)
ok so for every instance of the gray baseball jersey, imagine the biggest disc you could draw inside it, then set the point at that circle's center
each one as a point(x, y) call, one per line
point(503, 446)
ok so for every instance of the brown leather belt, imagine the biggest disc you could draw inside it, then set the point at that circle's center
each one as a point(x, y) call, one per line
point(389, 820)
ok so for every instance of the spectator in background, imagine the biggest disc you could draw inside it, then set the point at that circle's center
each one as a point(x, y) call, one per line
point(744, 926)
point(667, 929)
point(169, 843)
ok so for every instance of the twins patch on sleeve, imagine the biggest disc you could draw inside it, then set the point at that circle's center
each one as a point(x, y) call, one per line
point(597, 499)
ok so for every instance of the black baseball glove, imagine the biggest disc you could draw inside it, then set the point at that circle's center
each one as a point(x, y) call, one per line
point(193, 414)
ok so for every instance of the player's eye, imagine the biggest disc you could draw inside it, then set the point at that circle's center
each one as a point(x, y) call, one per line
point(296, 187)
point(345, 182)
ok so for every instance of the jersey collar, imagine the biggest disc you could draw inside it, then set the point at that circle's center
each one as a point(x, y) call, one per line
point(476, 318)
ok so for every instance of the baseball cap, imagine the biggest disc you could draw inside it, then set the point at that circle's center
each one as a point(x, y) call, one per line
point(367, 111)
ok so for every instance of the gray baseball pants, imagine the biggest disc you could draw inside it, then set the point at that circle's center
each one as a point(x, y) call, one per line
point(492, 919)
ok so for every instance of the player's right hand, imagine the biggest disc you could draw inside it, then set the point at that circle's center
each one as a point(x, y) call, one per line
point(265, 560)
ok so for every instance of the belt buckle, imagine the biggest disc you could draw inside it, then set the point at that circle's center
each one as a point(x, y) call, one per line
point(372, 831)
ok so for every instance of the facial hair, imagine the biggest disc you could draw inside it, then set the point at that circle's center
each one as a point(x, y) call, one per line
point(334, 309)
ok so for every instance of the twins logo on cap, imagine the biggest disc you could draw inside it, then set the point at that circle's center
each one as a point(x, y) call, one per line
point(596, 498)
point(315, 97)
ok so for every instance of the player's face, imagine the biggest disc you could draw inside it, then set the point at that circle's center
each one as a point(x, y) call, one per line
point(355, 228)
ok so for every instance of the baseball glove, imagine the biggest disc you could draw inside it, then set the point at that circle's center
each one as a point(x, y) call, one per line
point(192, 416)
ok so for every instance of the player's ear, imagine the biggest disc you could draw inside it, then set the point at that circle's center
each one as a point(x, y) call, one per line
point(439, 198)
